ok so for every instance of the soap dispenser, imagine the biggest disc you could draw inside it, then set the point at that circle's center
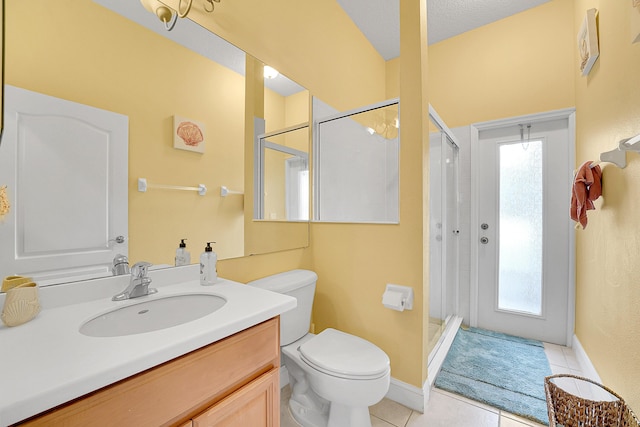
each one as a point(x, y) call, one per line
point(183, 257)
point(208, 260)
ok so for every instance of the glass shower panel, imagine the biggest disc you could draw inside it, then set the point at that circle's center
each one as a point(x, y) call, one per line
point(520, 228)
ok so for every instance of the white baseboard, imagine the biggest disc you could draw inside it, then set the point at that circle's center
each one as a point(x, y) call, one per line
point(408, 395)
point(588, 370)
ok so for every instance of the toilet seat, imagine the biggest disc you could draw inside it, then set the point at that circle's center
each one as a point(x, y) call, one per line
point(345, 356)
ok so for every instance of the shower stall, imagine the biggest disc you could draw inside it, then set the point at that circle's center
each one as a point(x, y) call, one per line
point(443, 321)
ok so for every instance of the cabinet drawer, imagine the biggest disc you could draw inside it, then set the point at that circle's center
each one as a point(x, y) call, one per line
point(175, 391)
point(255, 405)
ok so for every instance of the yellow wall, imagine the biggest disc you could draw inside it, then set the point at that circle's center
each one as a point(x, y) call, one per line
point(392, 76)
point(607, 269)
point(297, 109)
point(519, 65)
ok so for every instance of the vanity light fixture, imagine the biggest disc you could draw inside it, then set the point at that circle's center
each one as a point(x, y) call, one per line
point(170, 16)
point(270, 72)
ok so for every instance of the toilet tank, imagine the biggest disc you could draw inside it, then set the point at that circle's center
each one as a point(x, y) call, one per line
point(300, 284)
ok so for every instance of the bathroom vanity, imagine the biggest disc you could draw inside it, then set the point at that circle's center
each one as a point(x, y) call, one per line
point(220, 369)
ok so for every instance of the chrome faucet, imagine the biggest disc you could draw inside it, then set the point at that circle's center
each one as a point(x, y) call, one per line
point(139, 283)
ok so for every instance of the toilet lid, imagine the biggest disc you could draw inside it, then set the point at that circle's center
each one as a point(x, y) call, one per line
point(343, 355)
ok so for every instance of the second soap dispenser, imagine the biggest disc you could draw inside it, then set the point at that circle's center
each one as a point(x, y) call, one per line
point(208, 260)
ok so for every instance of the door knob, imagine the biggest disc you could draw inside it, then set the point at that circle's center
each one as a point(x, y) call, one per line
point(117, 239)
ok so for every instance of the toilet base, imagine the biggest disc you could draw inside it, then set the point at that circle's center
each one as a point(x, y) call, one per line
point(337, 416)
point(348, 416)
point(308, 417)
point(307, 408)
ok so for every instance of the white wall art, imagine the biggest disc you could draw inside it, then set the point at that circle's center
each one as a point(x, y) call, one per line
point(588, 50)
point(188, 134)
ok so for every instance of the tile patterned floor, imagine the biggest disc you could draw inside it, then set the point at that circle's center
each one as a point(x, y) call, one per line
point(450, 410)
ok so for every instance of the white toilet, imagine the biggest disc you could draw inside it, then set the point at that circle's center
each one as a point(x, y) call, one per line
point(334, 376)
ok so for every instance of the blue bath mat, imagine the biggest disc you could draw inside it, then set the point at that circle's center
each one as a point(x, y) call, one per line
point(503, 371)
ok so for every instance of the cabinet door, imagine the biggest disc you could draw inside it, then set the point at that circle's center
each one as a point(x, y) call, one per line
point(257, 405)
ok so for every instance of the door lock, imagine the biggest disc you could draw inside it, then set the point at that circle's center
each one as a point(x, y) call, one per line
point(484, 240)
point(484, 226)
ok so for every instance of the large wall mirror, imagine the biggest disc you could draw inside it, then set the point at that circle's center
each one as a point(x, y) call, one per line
point(116, 56)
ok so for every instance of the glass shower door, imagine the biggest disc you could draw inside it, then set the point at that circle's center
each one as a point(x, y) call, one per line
point(443, 252)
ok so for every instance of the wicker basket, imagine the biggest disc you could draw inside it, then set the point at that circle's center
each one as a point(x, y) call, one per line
point(568, 410)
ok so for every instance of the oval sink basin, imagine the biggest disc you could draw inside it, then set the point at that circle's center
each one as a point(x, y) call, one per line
point(152, 315)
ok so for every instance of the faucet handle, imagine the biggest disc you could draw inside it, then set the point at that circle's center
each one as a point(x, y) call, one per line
point(120, 265)
point(139, 269)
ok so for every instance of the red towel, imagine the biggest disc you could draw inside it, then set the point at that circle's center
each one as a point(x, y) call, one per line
point(587, 187)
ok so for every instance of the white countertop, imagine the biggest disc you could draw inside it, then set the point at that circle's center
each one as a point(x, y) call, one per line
point(46, 361)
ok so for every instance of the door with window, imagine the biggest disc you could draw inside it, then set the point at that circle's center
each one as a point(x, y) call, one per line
point(524, 244)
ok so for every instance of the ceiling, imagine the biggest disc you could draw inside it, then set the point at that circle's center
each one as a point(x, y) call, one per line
point(379, 21)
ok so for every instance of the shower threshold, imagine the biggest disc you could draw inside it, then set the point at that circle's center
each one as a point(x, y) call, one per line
point(439, 352)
